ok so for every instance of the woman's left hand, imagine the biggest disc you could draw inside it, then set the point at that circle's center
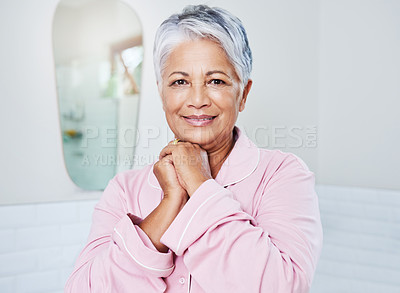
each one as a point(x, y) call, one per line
point(191, 164)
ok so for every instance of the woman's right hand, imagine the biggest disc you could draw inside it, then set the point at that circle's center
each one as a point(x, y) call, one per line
point(167, 177)
point(175, 197)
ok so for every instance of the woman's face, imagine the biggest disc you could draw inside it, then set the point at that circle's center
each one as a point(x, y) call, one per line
point(201, 93)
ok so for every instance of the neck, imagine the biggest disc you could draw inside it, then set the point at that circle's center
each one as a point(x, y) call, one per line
point(217, 156)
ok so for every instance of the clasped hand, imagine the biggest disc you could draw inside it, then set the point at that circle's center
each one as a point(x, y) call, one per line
point(181, 169)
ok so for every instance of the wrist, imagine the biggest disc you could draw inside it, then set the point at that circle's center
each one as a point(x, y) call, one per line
point(175, 201)
point(158, 221)
point(195, 185)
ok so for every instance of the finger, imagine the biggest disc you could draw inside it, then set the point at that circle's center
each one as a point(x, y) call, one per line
point(166, 151)
point(167, 160)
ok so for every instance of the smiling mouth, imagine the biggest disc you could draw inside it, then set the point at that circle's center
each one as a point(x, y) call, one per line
point(200, 117)
point(199, 120)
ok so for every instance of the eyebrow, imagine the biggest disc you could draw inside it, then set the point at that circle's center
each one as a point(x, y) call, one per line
point(179, 72)
point(208, 73)
point(217, 71)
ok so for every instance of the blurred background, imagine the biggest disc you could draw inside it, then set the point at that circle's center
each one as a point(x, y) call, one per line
point(80, 103)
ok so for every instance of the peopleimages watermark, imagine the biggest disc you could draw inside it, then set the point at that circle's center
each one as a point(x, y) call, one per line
point(282, 136)
point(110, 146)
point(275, 136)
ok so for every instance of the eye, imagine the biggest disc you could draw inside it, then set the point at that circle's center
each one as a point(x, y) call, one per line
point(217, 82)
point(179, 82)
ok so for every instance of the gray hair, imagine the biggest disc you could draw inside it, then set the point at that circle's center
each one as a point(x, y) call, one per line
point(201, 21)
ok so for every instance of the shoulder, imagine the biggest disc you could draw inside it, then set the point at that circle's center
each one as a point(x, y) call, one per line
point(267, 159)
point(286, 181)
point(270, 165)
point(123, 191)
point(283, 168)
point(281, 160)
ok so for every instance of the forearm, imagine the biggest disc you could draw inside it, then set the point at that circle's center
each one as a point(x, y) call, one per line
point(118, 259)
point(109, 270)
point(158, 221)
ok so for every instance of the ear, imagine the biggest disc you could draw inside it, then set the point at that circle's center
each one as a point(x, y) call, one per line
point(246, 91)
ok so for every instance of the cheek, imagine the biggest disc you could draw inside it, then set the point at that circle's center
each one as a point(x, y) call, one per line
point(170, 104)
point(227, 101)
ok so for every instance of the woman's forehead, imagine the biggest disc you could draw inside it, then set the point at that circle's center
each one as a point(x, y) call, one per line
point(198, 56)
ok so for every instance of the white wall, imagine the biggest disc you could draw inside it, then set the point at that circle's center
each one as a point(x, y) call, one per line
point(284, 40)
point(359, 97)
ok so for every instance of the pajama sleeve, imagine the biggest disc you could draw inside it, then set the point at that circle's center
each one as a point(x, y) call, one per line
point(119, 257)
point(276, 250)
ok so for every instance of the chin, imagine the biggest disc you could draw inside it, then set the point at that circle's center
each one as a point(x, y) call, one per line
point(198, 136)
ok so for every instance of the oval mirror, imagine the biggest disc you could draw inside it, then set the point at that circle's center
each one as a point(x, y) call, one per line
point(98, 58)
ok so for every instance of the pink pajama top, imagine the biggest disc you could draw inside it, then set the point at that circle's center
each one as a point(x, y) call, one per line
point(254, 228)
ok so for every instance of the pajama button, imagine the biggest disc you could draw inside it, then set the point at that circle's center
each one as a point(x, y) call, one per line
point(182, 281)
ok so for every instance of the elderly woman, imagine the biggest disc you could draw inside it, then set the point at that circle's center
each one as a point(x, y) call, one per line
point(215, 213)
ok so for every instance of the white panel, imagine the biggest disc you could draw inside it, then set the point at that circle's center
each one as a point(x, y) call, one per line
point(360, 94)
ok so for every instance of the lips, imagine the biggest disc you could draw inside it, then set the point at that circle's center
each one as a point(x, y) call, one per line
point(199, 120)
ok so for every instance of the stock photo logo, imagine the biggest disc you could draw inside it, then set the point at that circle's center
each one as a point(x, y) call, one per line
point(95, 140)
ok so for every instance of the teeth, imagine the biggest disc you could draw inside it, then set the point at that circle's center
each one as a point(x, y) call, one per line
point(203, 119)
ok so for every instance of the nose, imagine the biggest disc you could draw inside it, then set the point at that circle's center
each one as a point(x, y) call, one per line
point(198, 96)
